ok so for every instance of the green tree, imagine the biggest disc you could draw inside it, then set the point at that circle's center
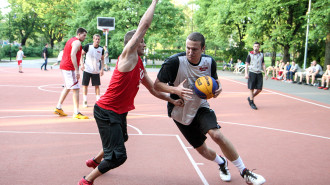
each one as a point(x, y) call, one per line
point(22, 20)
point(53, 16)
point(320, 21)
point(127, 13)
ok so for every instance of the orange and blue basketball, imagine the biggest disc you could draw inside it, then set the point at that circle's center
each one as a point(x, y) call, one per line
point(205, 87)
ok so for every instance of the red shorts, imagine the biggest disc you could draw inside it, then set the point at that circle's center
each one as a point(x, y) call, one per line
point(280, 73)
point(19, 62)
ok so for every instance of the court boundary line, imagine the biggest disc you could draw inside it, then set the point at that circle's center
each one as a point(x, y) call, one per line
point(189, 156)
point(287, 96)
point(225, 122)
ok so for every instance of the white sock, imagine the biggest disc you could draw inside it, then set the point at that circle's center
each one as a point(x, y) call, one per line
point(59, 106)
point(76, 111)
point(84, 98)
point(239, 164)
point(218, 159)
point(97, 97)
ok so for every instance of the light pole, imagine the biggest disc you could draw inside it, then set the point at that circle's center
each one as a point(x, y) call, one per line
point(306, 43)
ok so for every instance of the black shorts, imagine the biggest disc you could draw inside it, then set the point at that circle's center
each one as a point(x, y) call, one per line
point(95, 79)
point(255, 81)
point(113, 132)
point(204, 121)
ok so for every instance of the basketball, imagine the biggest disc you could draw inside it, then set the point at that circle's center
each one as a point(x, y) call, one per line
point(205, 87)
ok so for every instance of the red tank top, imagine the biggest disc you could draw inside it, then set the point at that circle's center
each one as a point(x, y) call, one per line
point(122, 89)
point(66, 62)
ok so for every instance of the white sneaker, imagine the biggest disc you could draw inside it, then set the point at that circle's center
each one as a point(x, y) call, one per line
point(85, 104)
point(252, 178)
point(224, 172)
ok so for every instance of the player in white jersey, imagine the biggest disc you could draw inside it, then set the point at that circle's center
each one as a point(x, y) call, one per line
point(92, 67)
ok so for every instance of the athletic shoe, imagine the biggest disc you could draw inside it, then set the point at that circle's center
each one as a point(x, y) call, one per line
point(85, 104)
point(60, 112)
point(80, 116)
point(252, 105)
point(306, 84)
point(299, 83)
point(311, 85)
point(320, 87)
point(224, 171)
point(91, 163)
point(294, 82)
point(252, 178)
point(273, 78)
point(83, 181)
point(326, 88)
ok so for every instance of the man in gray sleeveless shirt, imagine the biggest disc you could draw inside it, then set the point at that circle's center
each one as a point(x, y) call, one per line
point(254, 66)
point(194, 118)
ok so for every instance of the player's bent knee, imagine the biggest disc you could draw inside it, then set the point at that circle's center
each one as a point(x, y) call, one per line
point(107, 165)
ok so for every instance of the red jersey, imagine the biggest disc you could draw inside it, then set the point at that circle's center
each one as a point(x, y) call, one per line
point(66, 62)
point(122, 89)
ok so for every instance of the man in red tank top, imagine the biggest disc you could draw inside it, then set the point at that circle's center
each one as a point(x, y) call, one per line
point(111, 109)
point(70, 69)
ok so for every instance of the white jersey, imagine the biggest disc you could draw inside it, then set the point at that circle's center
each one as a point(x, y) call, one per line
point(20, 55)
point(174, 71)
point(93, 57)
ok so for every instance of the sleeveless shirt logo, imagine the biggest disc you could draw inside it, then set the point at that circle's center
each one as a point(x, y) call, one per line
point(141, 76)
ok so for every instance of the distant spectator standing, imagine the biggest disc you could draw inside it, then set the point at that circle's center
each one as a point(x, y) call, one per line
point(45, 55)
point(19, 57)
point(325, 78)
point(316, 73)
point(254, 66)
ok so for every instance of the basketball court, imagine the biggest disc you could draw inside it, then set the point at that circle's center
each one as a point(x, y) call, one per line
point(287, 140)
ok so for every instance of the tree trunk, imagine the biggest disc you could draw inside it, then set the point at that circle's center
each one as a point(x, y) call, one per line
point(23, 41)
point(327, 51)
point(286, 54)
point(274, 55)
point(273, 58)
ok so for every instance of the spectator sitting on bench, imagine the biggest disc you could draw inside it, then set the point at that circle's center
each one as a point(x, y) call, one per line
point(272, 69)
point(326, 78)
point(302, 74)
point(238, 66)
point(316, 73)
point(280, 70)
point(287, 68)
point(225, 65)
point(294, 68)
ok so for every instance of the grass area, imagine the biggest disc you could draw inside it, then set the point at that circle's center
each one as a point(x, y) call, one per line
point(14, 58)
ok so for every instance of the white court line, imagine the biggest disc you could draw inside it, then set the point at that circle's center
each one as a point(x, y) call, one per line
point(147, 115)
point(17, 86)
point(24, 116)
point(281, 130)
point(195, 165)
point(287, 96)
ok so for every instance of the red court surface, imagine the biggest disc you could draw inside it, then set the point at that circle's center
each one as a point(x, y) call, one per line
point(287, 140)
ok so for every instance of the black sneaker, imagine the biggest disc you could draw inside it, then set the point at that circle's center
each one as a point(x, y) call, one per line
point(299, 83)
point(252, 105)
point(252, 178)
point(294, 82)
point(224, 171)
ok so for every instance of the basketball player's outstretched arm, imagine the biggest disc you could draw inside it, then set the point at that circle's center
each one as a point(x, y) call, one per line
point(129, 56)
